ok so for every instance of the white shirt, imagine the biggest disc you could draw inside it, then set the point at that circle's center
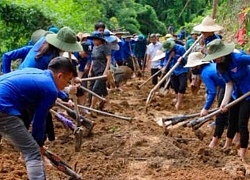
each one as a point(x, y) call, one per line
point(151, 50)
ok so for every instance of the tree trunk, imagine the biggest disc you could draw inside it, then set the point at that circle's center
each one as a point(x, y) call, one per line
point(215, 4)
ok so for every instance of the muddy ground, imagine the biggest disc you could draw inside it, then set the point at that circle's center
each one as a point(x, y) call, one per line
point(120, 150)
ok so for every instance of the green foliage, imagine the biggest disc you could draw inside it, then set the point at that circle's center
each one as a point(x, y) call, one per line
point(149, 21)
point(17, 22)
point(131, 16)
point(177, 12)
point(80, 15)
point(19, 18)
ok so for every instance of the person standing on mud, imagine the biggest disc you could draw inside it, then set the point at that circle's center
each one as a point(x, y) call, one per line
point(214, 84)
point(179, 75)
point(208, 27)
point(233, 65)
point(25, 88)
point(127, 53)
point(101, 59)
point(150, 54)
point(140, 50)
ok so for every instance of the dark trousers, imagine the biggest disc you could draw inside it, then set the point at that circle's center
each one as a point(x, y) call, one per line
point(179, 83)
point(155, 78)
point(129, 63)
point(27, 116)
point(141, 62)
point(221, 118)
point(238, 122)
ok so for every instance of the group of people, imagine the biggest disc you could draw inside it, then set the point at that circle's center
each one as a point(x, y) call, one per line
point(224, 70)
point(48, 63)
point(52, 57)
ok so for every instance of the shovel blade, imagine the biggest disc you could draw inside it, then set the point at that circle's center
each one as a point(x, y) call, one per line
point(78, 140)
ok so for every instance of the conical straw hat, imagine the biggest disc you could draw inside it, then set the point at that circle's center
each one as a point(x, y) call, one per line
point(208, 25)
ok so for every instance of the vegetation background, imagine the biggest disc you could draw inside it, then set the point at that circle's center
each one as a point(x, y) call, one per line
point(19, 18)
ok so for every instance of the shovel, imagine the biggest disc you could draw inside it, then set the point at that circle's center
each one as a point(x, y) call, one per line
point(62, 166)
point(66, 122)
point(84, 122)
point(78, 132)
point(179, 118)
point(200, 121)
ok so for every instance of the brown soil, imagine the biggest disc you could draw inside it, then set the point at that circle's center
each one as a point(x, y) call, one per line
point(120, 150)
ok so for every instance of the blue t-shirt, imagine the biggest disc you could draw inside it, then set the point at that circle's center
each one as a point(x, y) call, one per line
point(82, 61)
point(211, 38)
point(117, 55)
point(179, 51)
point(239, 73)
point(7, 57)
point(40, 63)
point(25, 88)
point(212, 80)
point(126, 51)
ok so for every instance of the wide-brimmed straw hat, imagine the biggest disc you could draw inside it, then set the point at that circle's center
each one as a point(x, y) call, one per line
point(194, 59)
point(127, 36)
point(120, 33)
point(193, 32)
point(217, 48)
point(208, 25)
point(65, 40)
point(168, 45)
point(81, 35)
point(158, 55)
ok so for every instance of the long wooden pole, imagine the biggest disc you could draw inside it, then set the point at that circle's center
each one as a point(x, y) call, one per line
point(106, 113)
point(94, 78)
point(94, 94)
point(78, 134)
point(147, 80)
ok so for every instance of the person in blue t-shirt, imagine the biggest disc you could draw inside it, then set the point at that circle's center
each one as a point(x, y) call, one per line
point(127, 51)
point(233, 66)
point(174, 53)
point(49, 47)
point(139, 50)
point(84, 61)
point(22, 52)
point(214, 85)
point(13, 55)
point(25, 88)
